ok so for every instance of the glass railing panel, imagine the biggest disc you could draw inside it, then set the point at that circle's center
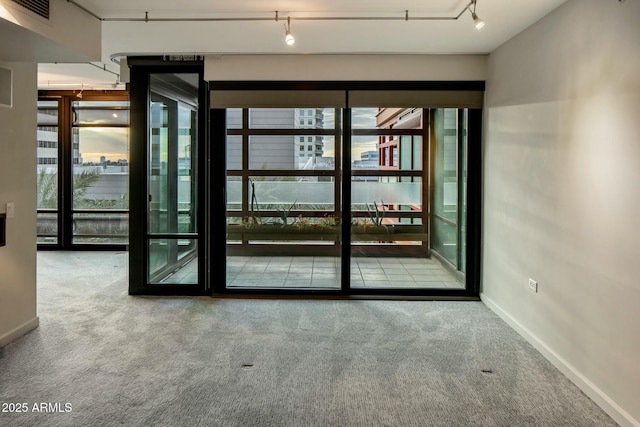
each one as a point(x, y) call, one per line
point(282, 229)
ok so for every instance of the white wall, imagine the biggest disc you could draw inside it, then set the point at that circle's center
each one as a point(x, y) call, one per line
point(17, 185)
point(69, 35)
point(562, 194)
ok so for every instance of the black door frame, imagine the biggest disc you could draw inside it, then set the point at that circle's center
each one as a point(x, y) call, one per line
point(141, 68)
point(217, 184)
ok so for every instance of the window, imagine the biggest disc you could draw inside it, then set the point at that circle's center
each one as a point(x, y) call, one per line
point(100, 171)
point(47, 181)
point(48, 144)
point(95, 173)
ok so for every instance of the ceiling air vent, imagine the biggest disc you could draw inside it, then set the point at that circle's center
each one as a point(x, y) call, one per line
point(39, 7)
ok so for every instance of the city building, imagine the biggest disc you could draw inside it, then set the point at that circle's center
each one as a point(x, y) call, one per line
point(281, 151)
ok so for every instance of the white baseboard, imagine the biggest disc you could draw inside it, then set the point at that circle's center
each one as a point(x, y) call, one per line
point(19, 331)
point(607, 404)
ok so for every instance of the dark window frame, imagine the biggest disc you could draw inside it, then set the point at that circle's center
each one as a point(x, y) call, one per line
point(474, 183)
point(139, 283)
point(65, 210)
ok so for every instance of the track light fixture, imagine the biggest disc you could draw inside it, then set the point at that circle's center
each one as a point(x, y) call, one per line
point(288, 38)
point(479, 23)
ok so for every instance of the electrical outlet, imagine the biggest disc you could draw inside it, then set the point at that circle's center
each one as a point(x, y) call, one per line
point(533, 285)
point(10, 210)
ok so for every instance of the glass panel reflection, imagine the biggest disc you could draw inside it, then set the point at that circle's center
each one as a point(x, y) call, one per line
point(449, 148)
point(389, 230)
point(101, 113)
point(173, 261)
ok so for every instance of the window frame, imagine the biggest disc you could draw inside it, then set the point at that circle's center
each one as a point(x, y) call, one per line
point(66, 146)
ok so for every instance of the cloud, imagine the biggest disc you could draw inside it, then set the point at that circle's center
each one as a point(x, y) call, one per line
point(113, 143)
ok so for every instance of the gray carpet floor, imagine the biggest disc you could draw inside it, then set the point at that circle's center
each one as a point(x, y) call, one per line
point(158, 361)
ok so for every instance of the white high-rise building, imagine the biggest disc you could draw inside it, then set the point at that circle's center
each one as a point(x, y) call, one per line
point(277, 151)
point(308, 148)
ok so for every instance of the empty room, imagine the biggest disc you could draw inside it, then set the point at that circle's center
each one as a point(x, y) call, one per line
point(329, 214)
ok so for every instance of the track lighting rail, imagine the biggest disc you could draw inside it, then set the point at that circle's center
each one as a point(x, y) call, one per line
point(400, 17)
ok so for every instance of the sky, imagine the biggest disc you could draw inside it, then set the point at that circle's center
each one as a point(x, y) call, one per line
point(361, 118)
point(113, 143)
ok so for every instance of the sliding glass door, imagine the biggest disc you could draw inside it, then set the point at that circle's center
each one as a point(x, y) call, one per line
point(169, 257)
point(322, 198)
point(173, 245)
point(83, 170)
point(282, 198)
point(331, 188)
point(390, 202)
point(449, 190)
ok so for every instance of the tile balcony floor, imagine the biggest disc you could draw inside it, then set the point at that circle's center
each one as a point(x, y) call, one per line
point(308, 272)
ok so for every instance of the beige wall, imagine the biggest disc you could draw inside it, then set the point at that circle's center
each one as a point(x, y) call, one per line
point(562, 194)
point(345, 67)
point(17, 185)
point(69, 35)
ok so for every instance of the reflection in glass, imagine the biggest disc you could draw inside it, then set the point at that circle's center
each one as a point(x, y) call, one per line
point(109, 113)
point(100, 168)
point(187, 198)
point(159, 179)
point(172, 184)
point(173, 178)
point(173, 261)
point(448, 155)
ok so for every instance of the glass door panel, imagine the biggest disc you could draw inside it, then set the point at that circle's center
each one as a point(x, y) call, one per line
point(172, 180)
point(389, 188)
point(282, 199)
point(290, 198)
point(449, 160)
